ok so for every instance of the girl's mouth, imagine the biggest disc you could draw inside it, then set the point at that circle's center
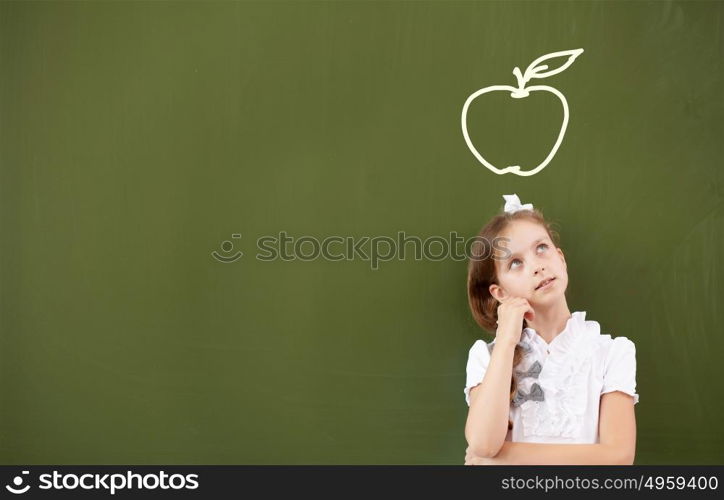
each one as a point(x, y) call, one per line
point(546, 284)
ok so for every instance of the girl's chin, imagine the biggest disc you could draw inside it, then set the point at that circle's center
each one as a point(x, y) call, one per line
point(545, 298)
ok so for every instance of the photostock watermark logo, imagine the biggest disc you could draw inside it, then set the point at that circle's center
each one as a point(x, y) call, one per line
point(108, 482)
point(372, 249)
point(18, 489)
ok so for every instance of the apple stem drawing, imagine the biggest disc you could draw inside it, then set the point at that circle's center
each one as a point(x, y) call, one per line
point(534, 70)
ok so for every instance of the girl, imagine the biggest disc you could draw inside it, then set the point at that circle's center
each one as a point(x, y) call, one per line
point(550, 388)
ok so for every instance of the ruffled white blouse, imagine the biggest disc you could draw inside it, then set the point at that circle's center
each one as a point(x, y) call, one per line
point(560, 384)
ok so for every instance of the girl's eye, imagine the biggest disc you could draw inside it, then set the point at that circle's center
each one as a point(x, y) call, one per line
point(518, 260)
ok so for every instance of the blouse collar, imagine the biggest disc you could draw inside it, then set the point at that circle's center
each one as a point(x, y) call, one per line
point(575, 324)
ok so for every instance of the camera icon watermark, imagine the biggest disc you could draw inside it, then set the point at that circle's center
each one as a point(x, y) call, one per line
point(17, 482)
point(227, 247)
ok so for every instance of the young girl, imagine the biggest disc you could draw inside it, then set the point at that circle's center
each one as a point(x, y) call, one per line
point(551, 388)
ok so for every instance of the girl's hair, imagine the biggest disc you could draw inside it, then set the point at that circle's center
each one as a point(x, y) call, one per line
point(482, 273)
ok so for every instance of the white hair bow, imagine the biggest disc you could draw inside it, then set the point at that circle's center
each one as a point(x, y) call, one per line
point(512, 204)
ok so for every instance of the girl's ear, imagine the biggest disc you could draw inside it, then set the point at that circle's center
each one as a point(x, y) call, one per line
point(497, 292)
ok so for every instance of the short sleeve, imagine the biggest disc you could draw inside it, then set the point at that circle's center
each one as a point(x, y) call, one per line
point(620, 368)
point(478, 359)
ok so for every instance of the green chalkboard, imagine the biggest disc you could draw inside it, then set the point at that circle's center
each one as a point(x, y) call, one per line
point(144, 145)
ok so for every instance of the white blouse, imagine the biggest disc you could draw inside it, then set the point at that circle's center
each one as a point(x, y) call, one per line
point(560, 384)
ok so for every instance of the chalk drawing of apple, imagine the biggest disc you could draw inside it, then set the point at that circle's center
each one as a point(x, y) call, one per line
point(534, 70)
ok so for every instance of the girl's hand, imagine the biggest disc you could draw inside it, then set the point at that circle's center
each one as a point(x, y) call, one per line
point(511, 313)
point(471, 459)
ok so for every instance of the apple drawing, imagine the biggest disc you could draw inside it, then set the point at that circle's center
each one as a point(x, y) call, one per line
point(534, 70)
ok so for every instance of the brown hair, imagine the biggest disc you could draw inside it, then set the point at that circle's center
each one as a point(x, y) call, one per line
point(482, 273)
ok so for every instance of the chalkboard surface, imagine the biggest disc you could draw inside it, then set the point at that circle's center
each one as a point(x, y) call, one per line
point(143, 145)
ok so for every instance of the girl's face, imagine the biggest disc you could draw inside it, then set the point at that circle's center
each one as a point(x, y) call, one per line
point(531, 258)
